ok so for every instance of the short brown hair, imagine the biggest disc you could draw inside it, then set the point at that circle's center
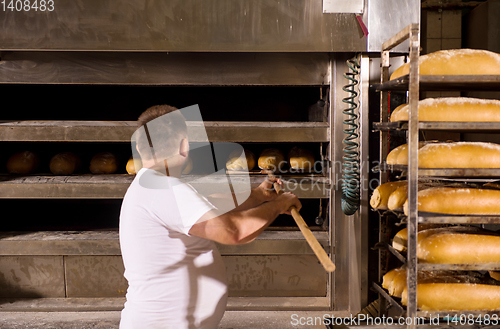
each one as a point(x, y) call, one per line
point(164, 127)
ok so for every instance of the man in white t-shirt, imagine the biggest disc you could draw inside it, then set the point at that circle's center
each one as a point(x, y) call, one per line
point(176, 276)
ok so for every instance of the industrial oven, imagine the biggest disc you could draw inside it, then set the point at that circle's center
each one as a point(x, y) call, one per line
point(264, 73)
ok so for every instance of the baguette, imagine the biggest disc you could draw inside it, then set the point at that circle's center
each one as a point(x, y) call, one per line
point(452, 155)
point(382, 192)
point(458, 201)
point(459, 248)
point(460, 109)
point(400, 240)
point(456, 297)
point(389, 276)
point(398, 284)
point(455, 62)
point(494, 275)
point(398, 198)
point(399, 155)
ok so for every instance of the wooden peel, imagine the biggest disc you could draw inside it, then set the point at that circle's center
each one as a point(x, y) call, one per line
point(306, 232)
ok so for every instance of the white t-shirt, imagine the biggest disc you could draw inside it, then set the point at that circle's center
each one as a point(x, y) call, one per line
point(175, 280)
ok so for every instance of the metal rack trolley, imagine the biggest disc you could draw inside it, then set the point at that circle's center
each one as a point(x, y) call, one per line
point(413, 83)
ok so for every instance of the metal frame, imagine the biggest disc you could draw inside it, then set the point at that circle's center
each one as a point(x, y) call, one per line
point(411, 32)
point(349, 233)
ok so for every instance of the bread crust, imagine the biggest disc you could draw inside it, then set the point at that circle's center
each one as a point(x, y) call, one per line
point(458, 201)
point(455, 62)
point(454, 109)
point(456, 297)
point(271, 159)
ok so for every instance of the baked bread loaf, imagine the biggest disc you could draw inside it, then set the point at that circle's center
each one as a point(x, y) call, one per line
point(455, 62)
point(399, 155)
point(458, 201)
point(451, 155)
point(459, 109)
point(103, 163)
point(494, 275)
point(271, 159)
point(459, 248)
point(398, 284)
point(300, 159)
point(389, 276)
point(64, 163)
point(25, 162)
point(133, 166)
point(455, 297)
point(400, 239)
point(235, 161)
point(382, 193)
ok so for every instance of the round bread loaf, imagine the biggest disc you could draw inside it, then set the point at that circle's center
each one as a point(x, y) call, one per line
point(459, 109)
point(300, 159)
point(450, 155)
point(64, 163)
point(235, 160)
point(459, 248)
point(189, 166)
point(458, 201)
point(271, 159)
point(25, 162)
point(455, 297)
point(103, 163)
point(455, 62)
point(382, 192)
point(133, 166)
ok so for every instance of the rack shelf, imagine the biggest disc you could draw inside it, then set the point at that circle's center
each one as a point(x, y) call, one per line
point(443, 172)
point(121, 131)
point(450, 219)
point(444, 83)
point(114, 186)
point(55, 243)
point(449, 126)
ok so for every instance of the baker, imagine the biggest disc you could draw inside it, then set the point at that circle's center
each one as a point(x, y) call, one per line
point(167, 231)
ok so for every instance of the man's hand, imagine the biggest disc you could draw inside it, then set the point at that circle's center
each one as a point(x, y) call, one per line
point(265, 191)
point(286, 201)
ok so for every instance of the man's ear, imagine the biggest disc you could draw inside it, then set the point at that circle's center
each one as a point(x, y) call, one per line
point(184, 147)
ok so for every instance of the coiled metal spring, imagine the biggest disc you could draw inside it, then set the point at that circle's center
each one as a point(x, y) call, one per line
point(350, 163)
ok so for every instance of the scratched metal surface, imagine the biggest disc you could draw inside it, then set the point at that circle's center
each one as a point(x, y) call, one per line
point(181, 25)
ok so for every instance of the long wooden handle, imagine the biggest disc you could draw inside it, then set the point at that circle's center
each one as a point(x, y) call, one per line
point(311, 240)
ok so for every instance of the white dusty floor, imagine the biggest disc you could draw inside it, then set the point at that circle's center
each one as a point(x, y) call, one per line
point(110, 320)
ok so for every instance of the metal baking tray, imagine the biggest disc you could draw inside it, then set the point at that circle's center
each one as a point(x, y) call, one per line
point(445, 172)
point(457, 219)
point(444, 83)
point(459, 267)
point(439, 125)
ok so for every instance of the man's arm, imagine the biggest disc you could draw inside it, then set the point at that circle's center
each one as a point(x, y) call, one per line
point(263, 193)
point(243, 226)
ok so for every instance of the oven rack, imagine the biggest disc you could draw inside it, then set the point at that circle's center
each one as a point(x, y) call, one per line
point(442, 172)
point(114, 186)
point(439, 125)
point(121, 131)
point(443, 83)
